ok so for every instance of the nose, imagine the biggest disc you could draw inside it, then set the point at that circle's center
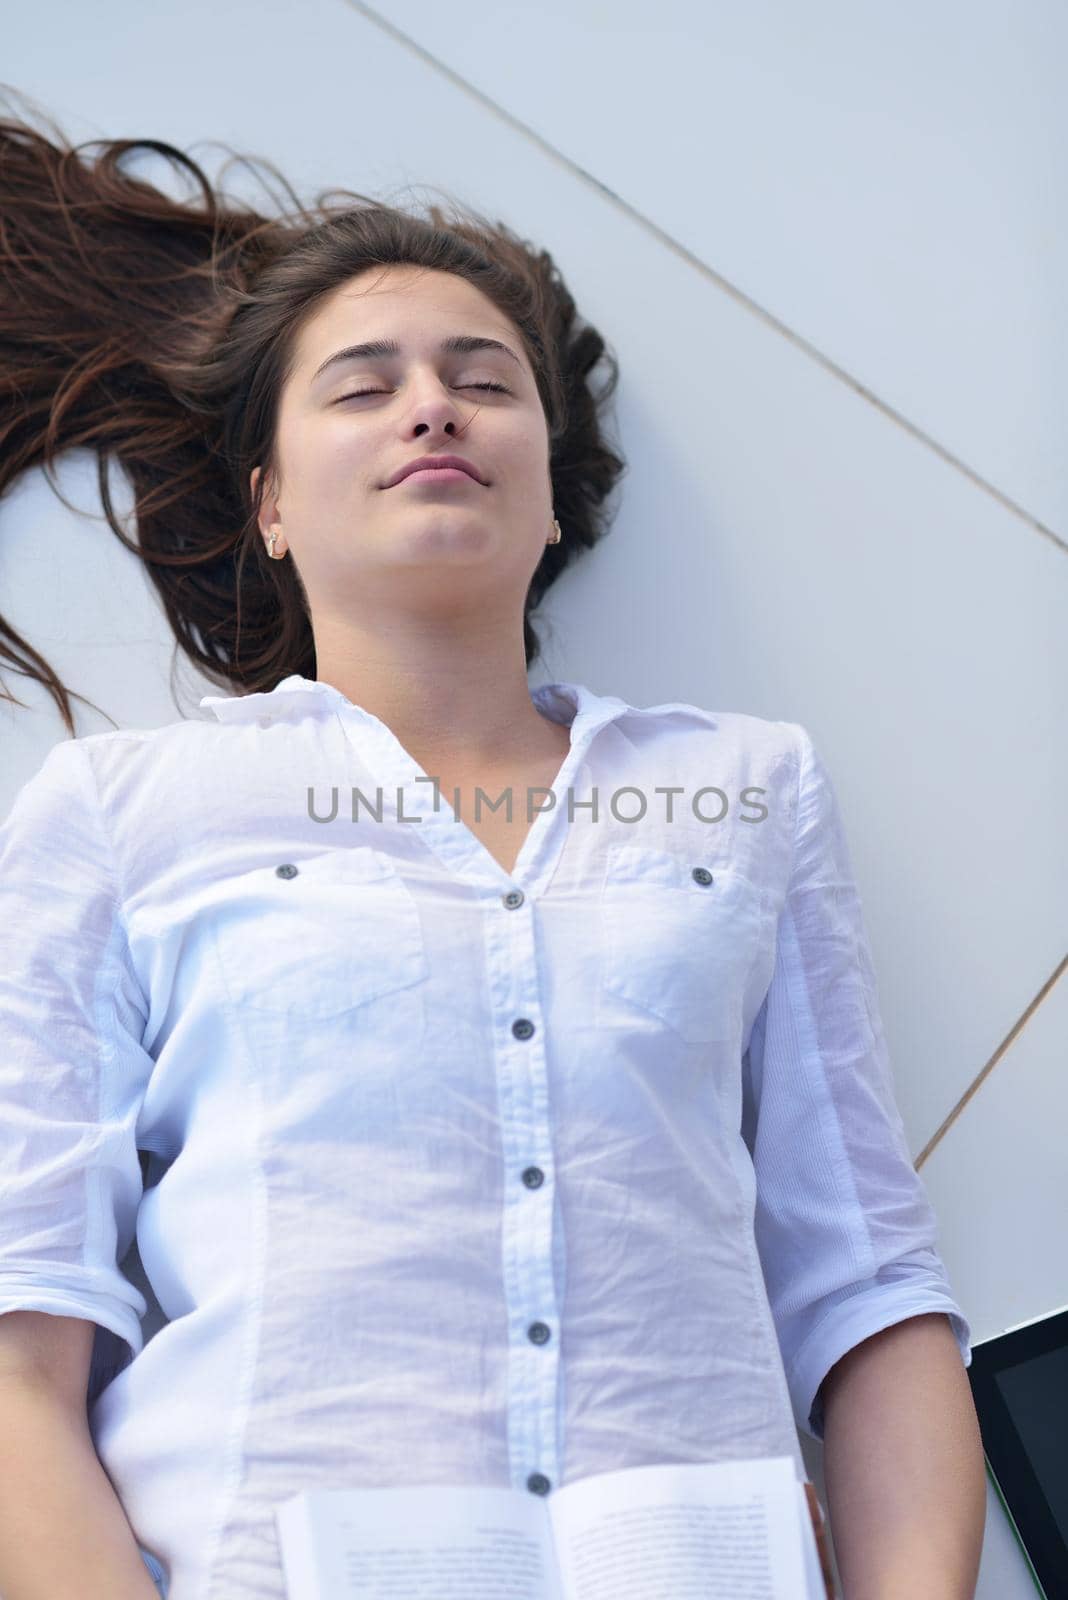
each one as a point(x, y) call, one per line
point(437, 412)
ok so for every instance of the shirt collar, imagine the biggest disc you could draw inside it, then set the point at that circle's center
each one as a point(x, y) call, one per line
point(563, 702)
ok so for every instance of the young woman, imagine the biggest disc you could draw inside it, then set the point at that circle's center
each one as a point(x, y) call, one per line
point(498, 1140)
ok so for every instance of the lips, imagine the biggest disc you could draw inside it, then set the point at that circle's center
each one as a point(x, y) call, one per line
point(435, 463)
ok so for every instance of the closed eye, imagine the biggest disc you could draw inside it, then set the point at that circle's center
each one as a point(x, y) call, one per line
point(358, 392)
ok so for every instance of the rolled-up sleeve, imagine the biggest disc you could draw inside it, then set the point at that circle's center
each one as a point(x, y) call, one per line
point(845, 1230)
point(72, 1067)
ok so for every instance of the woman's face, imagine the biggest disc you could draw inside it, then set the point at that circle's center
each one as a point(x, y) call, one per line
point(427, 543)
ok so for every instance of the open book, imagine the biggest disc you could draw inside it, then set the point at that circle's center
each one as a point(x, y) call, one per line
point(730, 1530)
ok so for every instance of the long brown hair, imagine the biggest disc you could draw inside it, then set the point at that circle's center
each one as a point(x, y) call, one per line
point(161, 331)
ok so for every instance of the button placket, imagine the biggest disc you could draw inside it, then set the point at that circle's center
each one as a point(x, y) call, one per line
point(527, 1234)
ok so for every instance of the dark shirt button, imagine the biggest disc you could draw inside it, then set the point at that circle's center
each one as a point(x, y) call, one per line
point(533, 1177)
point(286, 870)
point(538, 1483)
point(538, 1333)
point(701, 875)
point(522, 1028)
point(513, 898)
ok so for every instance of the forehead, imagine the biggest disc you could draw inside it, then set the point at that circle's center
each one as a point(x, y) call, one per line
point(383, 300)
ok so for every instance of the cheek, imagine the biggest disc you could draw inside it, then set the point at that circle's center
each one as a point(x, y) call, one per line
point(520, 469)
point(333, 449)
point(350, 456)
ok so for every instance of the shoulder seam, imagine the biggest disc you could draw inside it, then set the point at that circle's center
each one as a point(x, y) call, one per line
point(114, 869)
point(800, 738)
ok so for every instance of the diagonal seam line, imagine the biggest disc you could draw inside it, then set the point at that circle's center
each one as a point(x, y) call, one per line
point(973, 1087)
point(725, 284)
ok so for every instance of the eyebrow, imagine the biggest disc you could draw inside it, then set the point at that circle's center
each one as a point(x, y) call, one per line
point(461, 343)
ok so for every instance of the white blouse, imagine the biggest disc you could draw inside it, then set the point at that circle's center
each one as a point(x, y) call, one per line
point(456, 1175)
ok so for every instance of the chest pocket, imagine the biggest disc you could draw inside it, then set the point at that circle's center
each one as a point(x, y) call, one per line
point(340, 931)
point(676, 946)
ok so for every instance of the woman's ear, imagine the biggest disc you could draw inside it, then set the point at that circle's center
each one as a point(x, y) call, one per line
point(266, 511)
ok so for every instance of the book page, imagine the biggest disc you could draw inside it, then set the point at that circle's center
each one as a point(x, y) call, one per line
point(720, 1531)
point(435, 1543)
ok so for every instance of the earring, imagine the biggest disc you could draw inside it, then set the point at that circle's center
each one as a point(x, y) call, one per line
point(270, 548)
point(555, 537)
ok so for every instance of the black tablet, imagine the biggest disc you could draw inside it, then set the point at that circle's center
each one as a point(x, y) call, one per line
point(1019, 1383)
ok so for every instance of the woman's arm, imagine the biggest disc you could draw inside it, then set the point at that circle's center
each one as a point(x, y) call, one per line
point(903, 1466)
point(63, 1530)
